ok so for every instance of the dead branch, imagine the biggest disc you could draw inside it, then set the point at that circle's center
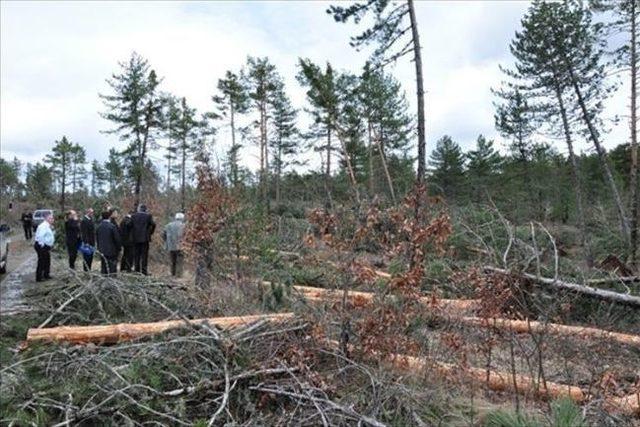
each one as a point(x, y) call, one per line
point(582, 289)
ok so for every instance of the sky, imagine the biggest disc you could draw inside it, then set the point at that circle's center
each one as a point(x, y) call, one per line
point(55, 58)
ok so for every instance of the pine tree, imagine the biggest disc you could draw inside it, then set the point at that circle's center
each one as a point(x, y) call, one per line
point(626, 17)
point(483, 165)
point(231, 101)
point(114, 170)
point(171, 115)
point(390, 30)
point(447, 167)
point(135, 108)
point(333, 97)
point(39, 181)
point(261, 81)
point(285, 140)
point(98, 177)
point(186, 135)
point(10, 180)
point(61, 162)
point(539, 74)
point(78, 171)
point(388, 123)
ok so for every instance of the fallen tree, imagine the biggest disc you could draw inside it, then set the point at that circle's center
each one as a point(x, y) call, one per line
point(493, 380)
point(629, 404)
point(312, 293)
point(517, 326)
point(524, 326)
point(574, 287)
point(109, 334)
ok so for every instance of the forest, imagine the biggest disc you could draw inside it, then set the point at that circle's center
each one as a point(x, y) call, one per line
point(356, 275)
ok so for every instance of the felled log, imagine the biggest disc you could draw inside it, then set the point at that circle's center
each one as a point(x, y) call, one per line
point(629, 404)
point(310, 292)
point(493, 380)
point(517, 326)
point(523, 326)
point(582, 289)
point(109, 334)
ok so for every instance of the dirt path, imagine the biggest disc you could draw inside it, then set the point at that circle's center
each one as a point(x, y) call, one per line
point(20, 275)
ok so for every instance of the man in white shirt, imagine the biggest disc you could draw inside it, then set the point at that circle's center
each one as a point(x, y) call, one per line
point(44, 239)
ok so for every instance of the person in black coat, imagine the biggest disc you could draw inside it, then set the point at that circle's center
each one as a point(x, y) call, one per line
point(126, 236)
point(27, 224)
point(72, 237)
point(88, 236)
point(108, 239)
point(143, 228)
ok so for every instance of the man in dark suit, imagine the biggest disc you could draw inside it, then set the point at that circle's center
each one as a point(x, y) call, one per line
point(88, 236)
point(27, 224)
point(108, 239)
point(128, 250)
point(143, 228)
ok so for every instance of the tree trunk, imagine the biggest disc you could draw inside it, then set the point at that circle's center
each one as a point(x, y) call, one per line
point(203, 269)
point(385, 167)
point(278, 170)
point(602, 155)
point(350, 170)
point(234, 165)
point(370, 158)
point(584, 238)
point(184, 174)
point(63, 183)
point(420, 93)
point(327, 174)
point(633, 175)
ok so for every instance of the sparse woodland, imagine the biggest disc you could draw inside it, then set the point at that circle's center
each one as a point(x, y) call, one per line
point(382, 286)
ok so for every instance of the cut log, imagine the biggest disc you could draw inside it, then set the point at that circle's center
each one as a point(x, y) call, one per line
point(517, 326)
point(523, 326)
point(493, 380)
point(575, 287)
point(321, 294)
point(110, 334)
point(496, 381)
point(629, 405)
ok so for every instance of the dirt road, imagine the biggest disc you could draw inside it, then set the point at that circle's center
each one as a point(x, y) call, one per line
point(20, 274)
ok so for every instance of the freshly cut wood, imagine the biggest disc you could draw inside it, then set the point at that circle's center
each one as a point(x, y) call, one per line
point(517, 326)
point(523, 326)
point(310, 292)
point(575, 287)
point(629, 405)
point(109, 334)
point(493, 380)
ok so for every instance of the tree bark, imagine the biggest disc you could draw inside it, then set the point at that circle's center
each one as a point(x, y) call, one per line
point(633, 175)
point(327, 174)
point(370, 158)
point(419, 92)
point(385, 167)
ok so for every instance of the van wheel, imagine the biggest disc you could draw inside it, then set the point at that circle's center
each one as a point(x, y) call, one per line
point(3, 269)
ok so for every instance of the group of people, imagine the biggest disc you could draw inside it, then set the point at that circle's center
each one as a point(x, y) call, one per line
point(108, 238)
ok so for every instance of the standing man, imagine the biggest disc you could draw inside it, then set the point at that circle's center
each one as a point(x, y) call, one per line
point(108, 240)
point(172, 236)
point(88, 236)
point(27, 224)
point(44, 239)
point(143, 228)
point(72, 237)
point(126, 236)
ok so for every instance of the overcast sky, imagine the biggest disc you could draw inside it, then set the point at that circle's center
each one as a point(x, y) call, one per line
point(55, 57)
